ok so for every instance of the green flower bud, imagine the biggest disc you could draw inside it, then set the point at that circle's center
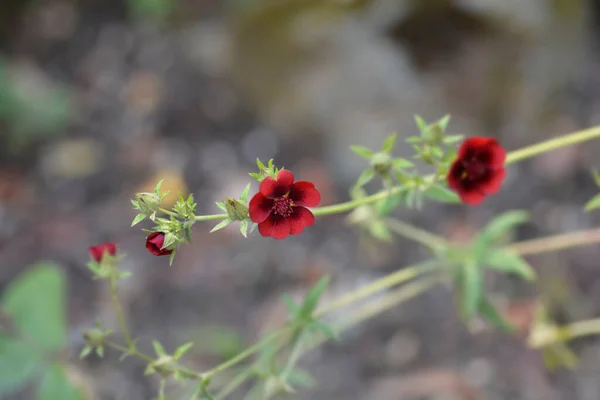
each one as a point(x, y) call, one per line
point(382, 163)
point(148, 203)
point(236, 210)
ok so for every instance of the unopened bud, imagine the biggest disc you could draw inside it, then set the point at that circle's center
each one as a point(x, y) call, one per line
point(382, 163)
point(236, 210)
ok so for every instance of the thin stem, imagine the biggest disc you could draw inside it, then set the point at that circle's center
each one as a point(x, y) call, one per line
point(236, 382)
point(294, 355)
point(557, 242)
point(246, 353)
point(351, 205)
point(395, 278)
point(553, 144)
point(418, 235)
point(211, 217)
point(133, 352)
point(171, 213)
point(549, 334)
point(114, 295)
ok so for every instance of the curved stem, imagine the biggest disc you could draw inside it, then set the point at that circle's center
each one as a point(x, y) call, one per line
point(557, 242)
point(418, 235)
point(553, 144)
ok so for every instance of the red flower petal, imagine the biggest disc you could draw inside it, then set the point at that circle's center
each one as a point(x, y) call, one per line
point(285, 177)
point(493, 155)
point(474, 145)
point(493, 182)
point(155, 242)
point(275, 226)
point(472, 197)
point(454, 175)
point(305, 194)
point(260, 207)
point(301, 218)
point(97, 252)
point(272, 188)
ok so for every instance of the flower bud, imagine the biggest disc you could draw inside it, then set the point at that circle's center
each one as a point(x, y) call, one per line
point(95, 337)
point(382, 163)
point(236, 210)
point(148, 203)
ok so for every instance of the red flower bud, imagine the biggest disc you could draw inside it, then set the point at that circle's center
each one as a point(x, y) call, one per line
point(97, 252)
point(478, 169)
point(155, 242)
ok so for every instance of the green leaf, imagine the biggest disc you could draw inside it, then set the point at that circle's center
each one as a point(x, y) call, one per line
point(421, 124)
point(291, 306)
point(300, 377)
point(55, 385)
point(402, 163)
point(453, 139)
point(158, 348)
point(260, 165)
point(471, 289)
point(389, 204)
point(138, 218)
point(18, 364)
point(221, 206)
point(172, 257)
point(493, 316)
point(244, 228)
point(507, 261)
point(414, 139)
point(379, 230)
point(244, 195)
point(389, 142)
point(442, 194)
point(313, 295)
point(593, 203)
point(36, 303)
point(325, 329)
point(181, 350)
point(362, 151)
point(502, 225)
point(188, 233)
point(443, 122)
point(365, 177)
point(221, 225)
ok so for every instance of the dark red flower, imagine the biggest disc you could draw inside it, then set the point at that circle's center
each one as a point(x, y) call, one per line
point(97, 252)
point(478, 169)
point(155, 242)
point(279, 208)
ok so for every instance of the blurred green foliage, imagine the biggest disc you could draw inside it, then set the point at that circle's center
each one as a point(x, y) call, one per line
point(29, 111)
point(35, 334)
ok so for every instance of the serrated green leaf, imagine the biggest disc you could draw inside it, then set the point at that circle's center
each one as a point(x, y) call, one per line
point(389, 142)
point(442, 194)
point(593, 203)
point(299, 377)
point(507, 261)
point(36, 303)
point(362, 151)
point(55, 385)
point(18, 364)
point(493, 316)
point(421, 124)
point(158, 348)
point(138, 218)
point(470, 288)
point(181, 350)
point(221, 225)
point(402, 163)
point(365, 177)
point(313, 295)
point(244, 195)
point(502, 225)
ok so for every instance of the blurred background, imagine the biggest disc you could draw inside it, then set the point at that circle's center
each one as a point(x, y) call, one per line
point(99, 99)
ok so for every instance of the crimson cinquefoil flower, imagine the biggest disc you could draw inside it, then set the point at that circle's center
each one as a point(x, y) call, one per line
point(478, 169)
point(155, 242)
point(98, 251)
point(279, 208)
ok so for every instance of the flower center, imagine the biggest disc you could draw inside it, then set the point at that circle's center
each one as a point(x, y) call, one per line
point(282, 206)
point(474, 170)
